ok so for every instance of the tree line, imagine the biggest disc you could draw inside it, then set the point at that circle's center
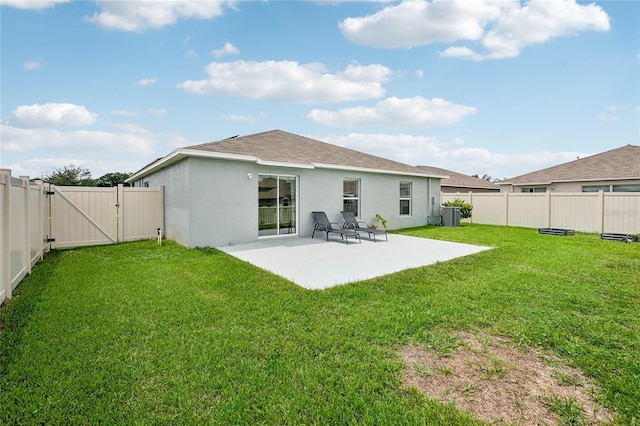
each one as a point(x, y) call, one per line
point(72, 175)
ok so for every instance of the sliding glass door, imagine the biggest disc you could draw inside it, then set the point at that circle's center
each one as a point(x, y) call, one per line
point(277, 205)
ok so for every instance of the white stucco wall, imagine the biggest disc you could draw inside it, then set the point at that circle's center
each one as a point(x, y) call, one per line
point(212, 202)
point(176, 200)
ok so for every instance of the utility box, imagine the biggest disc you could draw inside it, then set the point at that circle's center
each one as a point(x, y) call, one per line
point(450, 216)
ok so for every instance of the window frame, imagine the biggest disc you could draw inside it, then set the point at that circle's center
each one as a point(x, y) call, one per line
point(402, 198)
point(355, 197)
point(533, 190)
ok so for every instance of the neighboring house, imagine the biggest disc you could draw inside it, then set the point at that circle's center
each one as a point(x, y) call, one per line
point(457, 182)
point(266, 185)
point(617, 170)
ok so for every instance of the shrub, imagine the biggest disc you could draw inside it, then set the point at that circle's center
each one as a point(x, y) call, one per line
point(465, 208)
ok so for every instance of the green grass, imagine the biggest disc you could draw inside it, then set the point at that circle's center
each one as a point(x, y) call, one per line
point(144, 334)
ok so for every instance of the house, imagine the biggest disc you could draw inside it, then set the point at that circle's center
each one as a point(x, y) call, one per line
point(241, 189)
point(617, 170)
point(457, 182)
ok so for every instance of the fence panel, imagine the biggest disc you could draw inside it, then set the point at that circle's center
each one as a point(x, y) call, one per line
point(528, 210)
point(19, 244)
point(621, 213)
point(617, 212)
point(579, 210)
point(5, 246)
point(141, 212)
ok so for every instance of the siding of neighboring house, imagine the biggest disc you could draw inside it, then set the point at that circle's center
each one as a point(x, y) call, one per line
point(570, 186)
point(213, 202)
point(620, 166)
point(464, 189)
point(460, 183)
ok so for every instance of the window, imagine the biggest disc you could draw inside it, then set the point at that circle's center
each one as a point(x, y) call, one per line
point(351, 195)
point(596, 188)
point(538, 189)
point(627, 188)
point(405, 198)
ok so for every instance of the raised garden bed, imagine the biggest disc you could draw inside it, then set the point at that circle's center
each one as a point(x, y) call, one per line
point(556, 231)
point(627, 238)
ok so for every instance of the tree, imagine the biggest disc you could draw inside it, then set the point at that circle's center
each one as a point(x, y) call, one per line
point(486, 177)
point(112, 179)
point(70, 175)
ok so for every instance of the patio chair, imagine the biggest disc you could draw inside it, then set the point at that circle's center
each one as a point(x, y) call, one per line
point(350, 222)
point(322, 223)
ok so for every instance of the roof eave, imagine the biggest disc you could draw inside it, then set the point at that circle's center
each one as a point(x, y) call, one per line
point(600, 179)
point(182, 153)
point(371, 170)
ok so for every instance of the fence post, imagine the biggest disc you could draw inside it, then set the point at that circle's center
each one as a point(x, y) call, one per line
point(601, 211)
point(548, 196)
point(506, 209)
point(471, 202)
point(27, 223)
point(120, 213)
point(41, 235)
point(5, 243)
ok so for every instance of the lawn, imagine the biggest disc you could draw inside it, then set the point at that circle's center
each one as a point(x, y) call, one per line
point(138, 333)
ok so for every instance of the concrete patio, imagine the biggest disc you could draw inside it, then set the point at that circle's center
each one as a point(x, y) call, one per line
point(318, 264)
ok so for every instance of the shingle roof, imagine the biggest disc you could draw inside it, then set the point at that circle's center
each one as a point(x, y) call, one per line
point(284, 147)
point(458, 179)
point(619, 163)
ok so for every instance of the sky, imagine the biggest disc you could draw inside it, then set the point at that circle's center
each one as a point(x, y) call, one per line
point(488, 87)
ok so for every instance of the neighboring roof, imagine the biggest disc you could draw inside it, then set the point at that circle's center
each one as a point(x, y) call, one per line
point(459, 180)
point(280, 148)
point(617, 164)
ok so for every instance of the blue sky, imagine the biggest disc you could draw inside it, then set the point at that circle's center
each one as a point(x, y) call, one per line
point(489, 87)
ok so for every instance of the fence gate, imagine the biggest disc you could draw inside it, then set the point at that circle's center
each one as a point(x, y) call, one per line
point(82, 216)
point(87, 216)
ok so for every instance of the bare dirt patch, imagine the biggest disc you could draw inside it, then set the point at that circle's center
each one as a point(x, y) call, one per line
point(502, 383)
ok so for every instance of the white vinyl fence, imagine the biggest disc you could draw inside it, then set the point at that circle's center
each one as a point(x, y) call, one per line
point(601, 212)
point(36, 217)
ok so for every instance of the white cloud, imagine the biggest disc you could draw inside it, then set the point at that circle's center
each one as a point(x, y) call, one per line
point(157, 112)
point(33, 65)
point(420, 74)
point(419, 22)
point(290, 81)
point(32, 4)
point(502, 27)
point(136, 16)
point(54, 114)
point(607, 118)
point(191, 53)
point(247, 118)
point(453, 155)
point(614, 113)
point(125, 112)
point(227, 49)
point(147, 82)
point(94, 143)
point(461, 52)
point(395, 112)
point(538, 21)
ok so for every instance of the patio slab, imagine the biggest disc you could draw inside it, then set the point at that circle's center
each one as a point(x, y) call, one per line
point(318, 264)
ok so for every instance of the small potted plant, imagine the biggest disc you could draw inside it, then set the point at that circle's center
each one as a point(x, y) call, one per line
point(379, 220)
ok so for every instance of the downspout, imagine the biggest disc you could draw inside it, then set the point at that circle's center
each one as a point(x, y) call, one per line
point(429, 202)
